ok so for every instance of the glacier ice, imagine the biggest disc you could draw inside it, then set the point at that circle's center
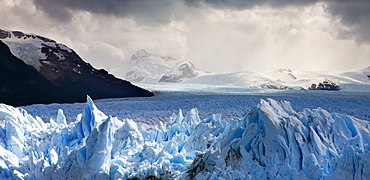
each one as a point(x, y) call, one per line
point(272, 142)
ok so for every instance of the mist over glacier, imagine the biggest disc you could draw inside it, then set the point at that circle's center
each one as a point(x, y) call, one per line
point(272, 141)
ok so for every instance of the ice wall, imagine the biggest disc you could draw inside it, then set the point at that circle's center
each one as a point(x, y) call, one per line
point(275, 142)
point(271, 142)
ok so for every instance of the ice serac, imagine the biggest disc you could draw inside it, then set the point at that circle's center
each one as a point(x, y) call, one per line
point(272, 142)
point(37, 150)
point(275, 142)
point(91, 117)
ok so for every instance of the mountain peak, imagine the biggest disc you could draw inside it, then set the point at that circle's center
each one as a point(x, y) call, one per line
point(142, 53)
point(184, 70)
point(149, 67)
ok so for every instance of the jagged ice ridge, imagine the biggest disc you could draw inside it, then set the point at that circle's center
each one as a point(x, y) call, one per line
point(272, 142)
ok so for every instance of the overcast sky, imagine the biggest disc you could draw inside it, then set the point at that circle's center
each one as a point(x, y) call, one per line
point(216, 35)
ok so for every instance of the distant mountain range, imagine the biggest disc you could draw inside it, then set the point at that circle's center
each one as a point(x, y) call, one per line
point(36, 69)
point(356, 80)
point(148, 67)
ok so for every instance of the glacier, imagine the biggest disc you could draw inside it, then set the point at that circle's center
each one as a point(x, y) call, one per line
point(272, 141)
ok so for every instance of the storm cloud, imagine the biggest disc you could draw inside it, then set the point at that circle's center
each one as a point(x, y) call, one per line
point(143, 11)
point(354, 14)
point(217, 35)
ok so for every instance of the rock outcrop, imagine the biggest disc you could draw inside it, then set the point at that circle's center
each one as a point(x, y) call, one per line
point(326, 85)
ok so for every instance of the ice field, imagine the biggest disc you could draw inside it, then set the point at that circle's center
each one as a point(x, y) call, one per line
point(191, 132)
point(210, 99)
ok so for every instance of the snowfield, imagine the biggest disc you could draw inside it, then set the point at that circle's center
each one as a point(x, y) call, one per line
point(187, 133)
point(354, 80)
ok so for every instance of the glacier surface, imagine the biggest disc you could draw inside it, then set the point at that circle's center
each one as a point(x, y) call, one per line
point(272, 142)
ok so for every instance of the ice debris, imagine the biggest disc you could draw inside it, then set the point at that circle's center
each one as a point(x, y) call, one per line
point(271, 142)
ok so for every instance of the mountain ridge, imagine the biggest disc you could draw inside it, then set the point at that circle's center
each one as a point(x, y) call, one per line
point(355, 80)
point(185, 70)
point(145, 67)
point(65, 69)
point(21, 84)
point(149, 67)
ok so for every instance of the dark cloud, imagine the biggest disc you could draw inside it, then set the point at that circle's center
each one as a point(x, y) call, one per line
point(350, 11)
point(242, 4)
point(143, 11)
point(150, 11)
point(354, 14)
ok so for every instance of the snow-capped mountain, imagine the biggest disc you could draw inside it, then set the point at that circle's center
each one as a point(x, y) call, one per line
point(356, 80)
point(21, 84)
point(149, 67)
point(183, 71)
point(272, 142)
point(65, 69)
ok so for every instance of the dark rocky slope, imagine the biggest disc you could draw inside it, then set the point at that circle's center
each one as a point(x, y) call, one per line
point(21, 84)
point(62, 77)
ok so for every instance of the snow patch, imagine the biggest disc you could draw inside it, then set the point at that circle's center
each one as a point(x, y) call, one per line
point(27, 47)
point(27, 51)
